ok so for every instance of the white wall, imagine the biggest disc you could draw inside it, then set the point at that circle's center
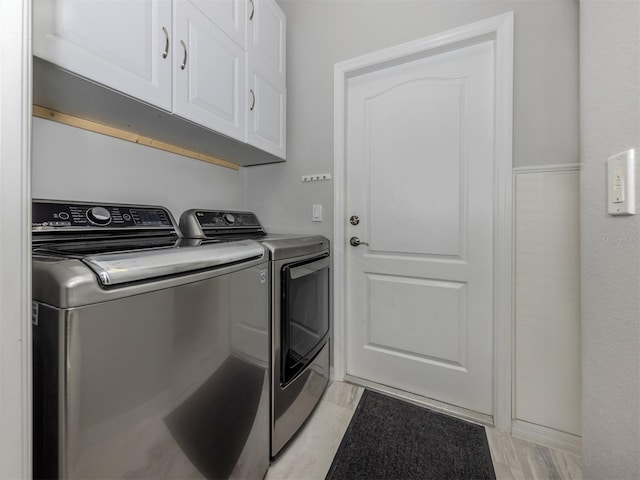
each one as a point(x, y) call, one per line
point(610, 123)
point(324, 32)
point(74, 164)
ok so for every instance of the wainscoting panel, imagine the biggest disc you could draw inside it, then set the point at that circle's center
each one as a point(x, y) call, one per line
point(547, 371)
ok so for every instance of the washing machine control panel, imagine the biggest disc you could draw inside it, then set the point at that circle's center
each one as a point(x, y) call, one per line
point(48, 215)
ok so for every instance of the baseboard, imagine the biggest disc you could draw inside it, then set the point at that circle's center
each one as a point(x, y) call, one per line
point(451, 410)
point(547, 436)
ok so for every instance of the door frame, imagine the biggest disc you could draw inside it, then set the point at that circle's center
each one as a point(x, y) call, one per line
point(500, 30)
point(15, 239)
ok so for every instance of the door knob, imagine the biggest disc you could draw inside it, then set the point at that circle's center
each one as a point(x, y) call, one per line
point(354, 220)
point(355, 241)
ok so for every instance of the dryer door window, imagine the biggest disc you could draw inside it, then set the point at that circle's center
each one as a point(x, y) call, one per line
point(305, 322)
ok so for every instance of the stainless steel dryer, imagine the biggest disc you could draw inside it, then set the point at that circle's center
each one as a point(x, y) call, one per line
point(150, 358)
point(299, 272)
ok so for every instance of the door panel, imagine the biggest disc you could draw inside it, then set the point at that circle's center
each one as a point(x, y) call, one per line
point(430, 140)
point(405, 336)
point(420, 176)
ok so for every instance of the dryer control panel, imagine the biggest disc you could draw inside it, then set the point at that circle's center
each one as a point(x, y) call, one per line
point(215, 223)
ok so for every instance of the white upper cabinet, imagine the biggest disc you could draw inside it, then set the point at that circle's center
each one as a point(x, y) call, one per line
point(218, 63)
point(123, 45)
point(266, 77)
point(209, 70)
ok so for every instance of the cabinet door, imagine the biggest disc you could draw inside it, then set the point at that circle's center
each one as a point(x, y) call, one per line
point(266, 121)
point(209, 73)
point(266, 77)
point(123, 45)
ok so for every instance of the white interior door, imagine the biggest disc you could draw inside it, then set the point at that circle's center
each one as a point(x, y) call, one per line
point(419, 175)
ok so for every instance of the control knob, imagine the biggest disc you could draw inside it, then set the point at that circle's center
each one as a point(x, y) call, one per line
point(99, 216)
point(228, 218)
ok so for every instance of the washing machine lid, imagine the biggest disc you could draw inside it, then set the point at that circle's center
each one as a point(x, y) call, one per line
point(127, 267)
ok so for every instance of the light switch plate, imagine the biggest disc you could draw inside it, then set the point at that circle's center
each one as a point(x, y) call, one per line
point(621, 182)
point(316, 213)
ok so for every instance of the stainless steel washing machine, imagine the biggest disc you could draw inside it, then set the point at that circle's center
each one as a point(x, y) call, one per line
point(151, 359)
point(300, 286)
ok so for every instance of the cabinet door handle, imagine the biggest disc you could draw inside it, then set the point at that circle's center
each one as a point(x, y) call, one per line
point(184, 60)
point(253, 9)
point(166, 43)
point(253, 99)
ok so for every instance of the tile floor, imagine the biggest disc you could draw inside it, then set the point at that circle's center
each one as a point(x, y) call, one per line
point(310, 454)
